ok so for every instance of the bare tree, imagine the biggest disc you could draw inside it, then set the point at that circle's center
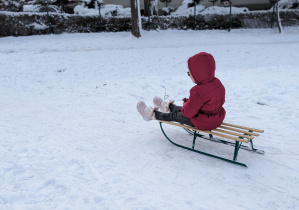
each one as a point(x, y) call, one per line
point(278, 17)
point(150, 7)
point(135, 18)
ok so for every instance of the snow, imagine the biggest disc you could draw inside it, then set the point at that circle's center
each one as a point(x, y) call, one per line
point(183, 10)
point(225, 10)
point(29, 8)
point(71, 137)
point(286, 4)
point(39, 26)
point(106, 10)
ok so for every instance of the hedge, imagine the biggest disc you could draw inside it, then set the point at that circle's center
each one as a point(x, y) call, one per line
point(24, 24)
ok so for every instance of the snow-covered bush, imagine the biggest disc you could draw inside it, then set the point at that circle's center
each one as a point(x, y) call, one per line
point(186, 10)
point(51, 8)
point(12, 5)
point(91, 7)
point(224, 10)
point(107, 10)
point(288, 4)
point(46, 5)
point(167, 10)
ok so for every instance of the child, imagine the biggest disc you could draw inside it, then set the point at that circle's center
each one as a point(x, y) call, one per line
point(203, 109)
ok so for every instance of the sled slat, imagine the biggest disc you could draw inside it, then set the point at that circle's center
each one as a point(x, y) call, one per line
point(233, 133)
point(207, 132)
point(242, 127)
point(225, 136)
point(238, 130)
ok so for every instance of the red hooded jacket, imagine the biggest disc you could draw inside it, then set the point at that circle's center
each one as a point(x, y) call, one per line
point(204, 106)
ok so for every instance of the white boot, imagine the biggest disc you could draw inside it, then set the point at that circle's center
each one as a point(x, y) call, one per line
point(148, 113)
point(163, 105)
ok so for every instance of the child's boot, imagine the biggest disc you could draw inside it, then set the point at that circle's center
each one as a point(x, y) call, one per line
point(148, 113)
point(163, 105)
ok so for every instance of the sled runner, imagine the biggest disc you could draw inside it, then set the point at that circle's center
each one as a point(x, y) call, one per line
point(236, 135)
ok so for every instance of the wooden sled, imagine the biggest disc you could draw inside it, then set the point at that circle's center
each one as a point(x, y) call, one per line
point(236, 135)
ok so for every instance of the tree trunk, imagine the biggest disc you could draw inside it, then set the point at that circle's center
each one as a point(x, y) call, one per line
point(135, 18)
point(278, 17)
point(147, 9)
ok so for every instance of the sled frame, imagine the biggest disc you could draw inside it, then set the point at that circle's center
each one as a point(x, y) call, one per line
point(222, 141)
point(237, 144)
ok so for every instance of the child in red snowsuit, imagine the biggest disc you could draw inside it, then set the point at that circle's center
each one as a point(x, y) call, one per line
point(204, 108)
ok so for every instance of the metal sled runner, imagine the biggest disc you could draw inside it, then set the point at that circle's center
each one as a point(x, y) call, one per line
point(239, 134)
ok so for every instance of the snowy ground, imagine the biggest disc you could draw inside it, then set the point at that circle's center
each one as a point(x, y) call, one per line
point(71, 137)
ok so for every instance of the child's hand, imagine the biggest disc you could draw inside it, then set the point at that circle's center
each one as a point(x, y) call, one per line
point(185, 99)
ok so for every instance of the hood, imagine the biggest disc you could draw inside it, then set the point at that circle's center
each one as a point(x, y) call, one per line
point(202, 67)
